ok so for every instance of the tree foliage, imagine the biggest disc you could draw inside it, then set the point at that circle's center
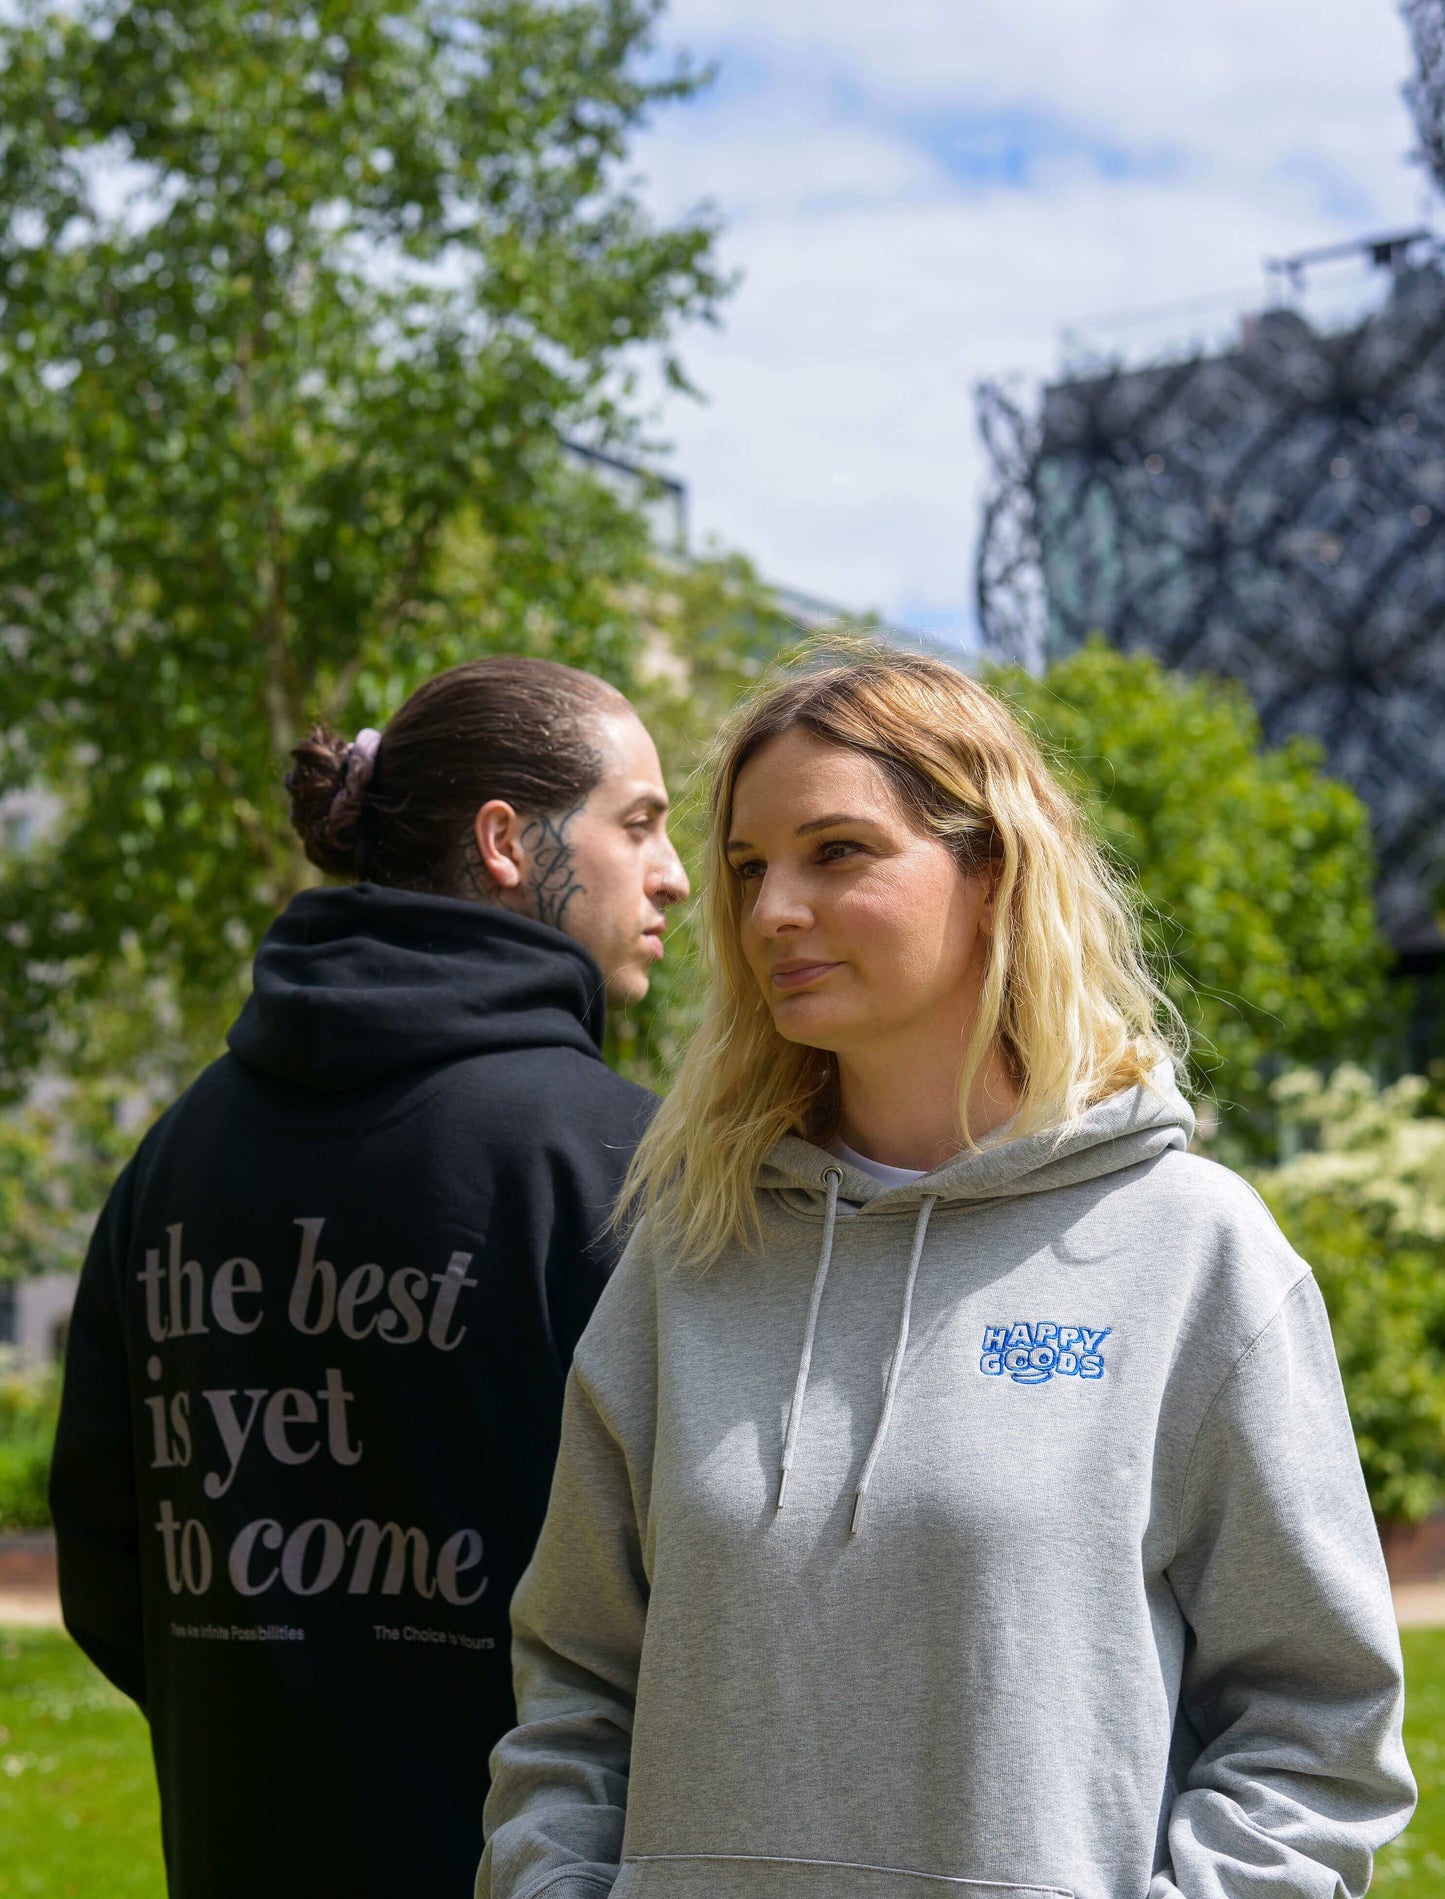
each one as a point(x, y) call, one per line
point(64, 1142)
point(59, 1153)
point(29, 1409)
point(296, 299)
point(1364, 1203)
point(1255, 868)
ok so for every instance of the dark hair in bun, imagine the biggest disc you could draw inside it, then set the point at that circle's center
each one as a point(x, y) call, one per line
point(327, 782)
point(399, 812)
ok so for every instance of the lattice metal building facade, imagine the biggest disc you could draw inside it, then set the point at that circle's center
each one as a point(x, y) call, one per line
point(1275, 512)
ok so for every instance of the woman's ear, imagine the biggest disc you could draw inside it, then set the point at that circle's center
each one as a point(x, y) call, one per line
point(497, 831)
point(990, 879)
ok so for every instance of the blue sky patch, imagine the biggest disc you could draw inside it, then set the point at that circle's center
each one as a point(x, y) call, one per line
point(1013, 147)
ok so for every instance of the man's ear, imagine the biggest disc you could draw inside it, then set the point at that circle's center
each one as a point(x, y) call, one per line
point(497, 829)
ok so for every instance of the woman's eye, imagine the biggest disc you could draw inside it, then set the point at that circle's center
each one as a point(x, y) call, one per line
point(836, 849)
point(749, 870)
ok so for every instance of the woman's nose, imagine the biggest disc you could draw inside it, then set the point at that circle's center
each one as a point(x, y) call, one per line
point(778, 906)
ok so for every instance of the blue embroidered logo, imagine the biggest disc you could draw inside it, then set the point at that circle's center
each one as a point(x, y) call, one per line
point(1032, 1355)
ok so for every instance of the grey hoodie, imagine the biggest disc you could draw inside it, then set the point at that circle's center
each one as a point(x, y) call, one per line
point(1073, 1587)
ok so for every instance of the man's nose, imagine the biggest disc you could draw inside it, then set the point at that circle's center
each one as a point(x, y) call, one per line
point(670, 884)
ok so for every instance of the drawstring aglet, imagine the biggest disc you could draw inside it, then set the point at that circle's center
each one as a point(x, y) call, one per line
point(858, 1497)
point(782, 1487)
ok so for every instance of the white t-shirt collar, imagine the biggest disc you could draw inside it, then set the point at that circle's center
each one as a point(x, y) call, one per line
point(890, 1176)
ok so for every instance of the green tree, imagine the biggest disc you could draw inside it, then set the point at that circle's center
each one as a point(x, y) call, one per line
point(63, 1144)
point(1256, 869)
point(296, 301)
point(29, 1408)
point(1364, 1203)
point(60, 1151)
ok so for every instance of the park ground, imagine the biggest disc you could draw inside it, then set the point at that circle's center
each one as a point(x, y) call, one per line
point(78, 1804)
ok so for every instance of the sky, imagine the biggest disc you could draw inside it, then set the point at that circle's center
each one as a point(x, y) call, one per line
point(917, 194)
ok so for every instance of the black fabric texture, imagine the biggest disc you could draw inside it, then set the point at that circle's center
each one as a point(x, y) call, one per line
point(314, 1381)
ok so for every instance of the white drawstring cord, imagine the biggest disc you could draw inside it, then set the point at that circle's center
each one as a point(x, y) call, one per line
point(834, 1178)
point(895, 1370)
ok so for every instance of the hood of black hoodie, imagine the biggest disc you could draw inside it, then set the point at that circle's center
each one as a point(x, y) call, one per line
point(362, 984)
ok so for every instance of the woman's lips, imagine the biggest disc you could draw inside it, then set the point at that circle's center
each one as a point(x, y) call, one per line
point(796, 975)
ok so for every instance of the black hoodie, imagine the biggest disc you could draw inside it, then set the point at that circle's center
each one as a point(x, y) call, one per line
point(314, 1381)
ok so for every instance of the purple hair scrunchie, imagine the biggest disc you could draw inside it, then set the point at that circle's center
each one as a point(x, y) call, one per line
point(360, 763)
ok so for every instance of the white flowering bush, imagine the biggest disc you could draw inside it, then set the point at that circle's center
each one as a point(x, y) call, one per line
point(1375, 1145)
point(1362, 1198)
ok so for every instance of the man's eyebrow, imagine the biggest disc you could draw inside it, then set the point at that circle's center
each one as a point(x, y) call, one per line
point(803, 830)
point(657, 801)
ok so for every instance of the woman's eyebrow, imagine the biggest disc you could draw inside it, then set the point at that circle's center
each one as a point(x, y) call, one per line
point(803, 830)
point(826, 824)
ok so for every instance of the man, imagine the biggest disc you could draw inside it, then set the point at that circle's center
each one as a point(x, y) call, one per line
point(315, 1371)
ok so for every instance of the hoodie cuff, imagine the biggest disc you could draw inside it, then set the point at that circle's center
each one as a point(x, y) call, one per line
point(569, 1884)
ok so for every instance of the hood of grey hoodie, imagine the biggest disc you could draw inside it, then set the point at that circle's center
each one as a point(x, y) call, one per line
point(1114, 1621)
point(1135, 1125)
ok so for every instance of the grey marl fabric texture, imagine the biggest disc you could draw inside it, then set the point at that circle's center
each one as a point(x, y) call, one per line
point(1074, 1587)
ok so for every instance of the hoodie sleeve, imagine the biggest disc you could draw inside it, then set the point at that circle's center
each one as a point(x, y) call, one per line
point(1293, 1683)
point(602, 1131)
point(558, 1802)
point(92, 1474)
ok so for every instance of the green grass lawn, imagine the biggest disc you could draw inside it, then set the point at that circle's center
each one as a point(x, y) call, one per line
point(1413, 1867)
point(78, 1809)
point(78, 1804)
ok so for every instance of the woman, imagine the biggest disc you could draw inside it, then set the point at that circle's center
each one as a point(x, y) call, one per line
point(315, 1372)
point(956, 1486)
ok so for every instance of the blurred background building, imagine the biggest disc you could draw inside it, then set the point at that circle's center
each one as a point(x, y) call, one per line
point(1269, 506)
point(35, 1317)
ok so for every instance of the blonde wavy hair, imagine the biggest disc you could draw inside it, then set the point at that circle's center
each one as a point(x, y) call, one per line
point(1067, 994)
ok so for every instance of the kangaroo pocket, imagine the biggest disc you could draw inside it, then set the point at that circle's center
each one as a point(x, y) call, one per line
point(714, 1876)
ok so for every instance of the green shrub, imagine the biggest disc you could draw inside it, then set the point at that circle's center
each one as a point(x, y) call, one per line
point(1255, 868)
point(29, 1405)
point(1364, 1203)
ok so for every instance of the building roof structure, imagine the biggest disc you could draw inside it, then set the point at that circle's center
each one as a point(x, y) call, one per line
point(1272, 511)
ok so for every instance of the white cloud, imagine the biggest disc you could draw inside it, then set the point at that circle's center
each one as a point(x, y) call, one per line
point(920, 194)
point(1268, 71)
